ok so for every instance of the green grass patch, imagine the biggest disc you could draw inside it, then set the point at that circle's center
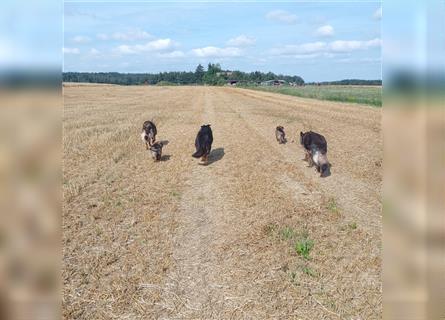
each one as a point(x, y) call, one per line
point(332, 205)
point(352, 225)
point(308, 270)
point(166, 83)
point(369, 95)
point(303, 247)
point(175, 194)
point(287, 233)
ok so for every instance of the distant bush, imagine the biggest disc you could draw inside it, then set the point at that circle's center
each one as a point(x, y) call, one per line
point(166, 83)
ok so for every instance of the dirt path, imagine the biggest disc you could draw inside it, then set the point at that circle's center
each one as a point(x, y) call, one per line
point(219, 240)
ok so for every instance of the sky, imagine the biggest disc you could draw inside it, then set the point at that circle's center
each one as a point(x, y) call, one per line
point(319, 41)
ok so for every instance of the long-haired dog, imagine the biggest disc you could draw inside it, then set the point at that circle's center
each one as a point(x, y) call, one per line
point(156, 151)
point(148, 134)
point(316, 149)
point(280, 135)
point(203, 143)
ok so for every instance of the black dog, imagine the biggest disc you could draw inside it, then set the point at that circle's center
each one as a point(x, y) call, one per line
point(316, 149)
point(148, 134)
point(203, 143)
point(280, 135)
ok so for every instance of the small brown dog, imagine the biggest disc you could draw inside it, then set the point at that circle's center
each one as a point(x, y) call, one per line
point(280, 135)
point(148, 134)
point(156, 151)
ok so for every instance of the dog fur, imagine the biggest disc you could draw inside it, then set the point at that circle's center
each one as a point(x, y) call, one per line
point(316, 149)
point(203, 143)
point(148, 134)
point(156, 151)
point(280, 135)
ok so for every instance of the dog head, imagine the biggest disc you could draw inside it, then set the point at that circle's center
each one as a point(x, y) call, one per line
point(325, 170)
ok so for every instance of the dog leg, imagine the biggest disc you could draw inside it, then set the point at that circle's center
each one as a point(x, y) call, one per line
point(204, 160)
point(306, 156)
point(310, 161)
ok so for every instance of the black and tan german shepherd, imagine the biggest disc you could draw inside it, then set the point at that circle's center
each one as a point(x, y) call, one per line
point(203, 143)
point(148, 134)
point(280, 135)
point(316, 149)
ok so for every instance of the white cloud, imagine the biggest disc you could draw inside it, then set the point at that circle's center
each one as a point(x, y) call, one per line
point(306, 48)
point(216, 52)
point(173, 54)
point(363, 60)
point(327, 49)
point(71, 50)
point(325, 31)
point(152, 46)
point(241, 41)
point(131, 35)
point(281, 16)
point(94, 52)
point(348, 46)
point(81, 39)
point(378, 14)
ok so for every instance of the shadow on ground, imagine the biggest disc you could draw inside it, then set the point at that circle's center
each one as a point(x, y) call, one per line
point(216, 155)
point(166, 157)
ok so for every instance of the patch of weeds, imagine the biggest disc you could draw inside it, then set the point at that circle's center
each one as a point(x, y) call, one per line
point(287, 233)
point(308, 270)
point(293, 276)
point(303, 247)
point(118, 204)
point(175, 194)
point(332, 205)
point(352, 225)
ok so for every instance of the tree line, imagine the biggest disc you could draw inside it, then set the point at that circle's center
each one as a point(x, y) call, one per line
point(214, 75)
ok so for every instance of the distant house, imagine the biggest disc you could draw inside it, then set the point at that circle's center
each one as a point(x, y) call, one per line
point(232, 82)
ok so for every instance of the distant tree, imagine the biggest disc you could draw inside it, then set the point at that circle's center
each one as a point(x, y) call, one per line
point(199, 73)
point(213, 76)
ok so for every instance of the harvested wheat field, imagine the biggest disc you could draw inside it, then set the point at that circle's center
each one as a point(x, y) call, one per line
point(256, 234)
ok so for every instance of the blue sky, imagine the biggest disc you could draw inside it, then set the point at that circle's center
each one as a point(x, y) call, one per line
point(316, 40)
